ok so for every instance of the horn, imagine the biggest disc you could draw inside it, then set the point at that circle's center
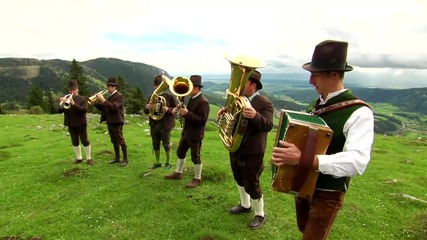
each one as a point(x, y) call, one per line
point(179, 86)
point(65, 102)
point(159, 101)
point(92, 99)
point(232, 123)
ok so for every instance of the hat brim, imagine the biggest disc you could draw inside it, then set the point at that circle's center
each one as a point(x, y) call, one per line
point(310, 68)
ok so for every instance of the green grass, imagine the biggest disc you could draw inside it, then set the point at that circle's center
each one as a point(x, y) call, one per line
point(42, 194)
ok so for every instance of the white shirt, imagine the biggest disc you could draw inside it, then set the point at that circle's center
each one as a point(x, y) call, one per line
point(359, 133)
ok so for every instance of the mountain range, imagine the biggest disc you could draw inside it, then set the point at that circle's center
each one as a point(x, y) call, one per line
point(18, 74)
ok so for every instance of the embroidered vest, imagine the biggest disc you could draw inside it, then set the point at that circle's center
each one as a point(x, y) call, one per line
point(336, 120)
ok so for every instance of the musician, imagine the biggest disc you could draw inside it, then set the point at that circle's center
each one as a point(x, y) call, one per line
point(75, 120)
point(247, 163)
point(195, 116)
point(113, 114)
point(160, 130)
point(349, 151)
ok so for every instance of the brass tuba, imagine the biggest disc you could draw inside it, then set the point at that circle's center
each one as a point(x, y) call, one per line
point(232, 123)
point(179, 86)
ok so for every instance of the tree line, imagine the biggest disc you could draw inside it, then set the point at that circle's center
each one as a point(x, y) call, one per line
point(47, 102)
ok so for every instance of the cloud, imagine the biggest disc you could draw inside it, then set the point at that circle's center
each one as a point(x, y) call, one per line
point(189, 36)
point(399, 61)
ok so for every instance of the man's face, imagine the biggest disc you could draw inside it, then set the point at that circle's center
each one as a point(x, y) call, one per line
point(73, 91)
point(322, 82)
point(111, 88)
point(250, 88)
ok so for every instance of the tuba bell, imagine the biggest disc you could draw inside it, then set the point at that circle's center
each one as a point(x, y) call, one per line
point(232, 123)
point(179, 86)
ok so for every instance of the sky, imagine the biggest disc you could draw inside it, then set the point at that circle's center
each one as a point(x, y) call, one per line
point(387, 40)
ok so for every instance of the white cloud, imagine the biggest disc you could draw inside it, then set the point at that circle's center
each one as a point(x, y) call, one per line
point(190, 36)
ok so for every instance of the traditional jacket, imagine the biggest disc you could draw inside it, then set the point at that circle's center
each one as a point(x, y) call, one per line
point(168, 120)
point(255, 138)
point(75, 116)
point(196, 118)
point(112, 109)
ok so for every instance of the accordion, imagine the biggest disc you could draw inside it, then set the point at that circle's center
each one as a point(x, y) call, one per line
point(312, 136)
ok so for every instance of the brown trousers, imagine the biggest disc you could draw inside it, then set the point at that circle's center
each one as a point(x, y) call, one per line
point(247, 170)
point(79, 134)
point(315, 217)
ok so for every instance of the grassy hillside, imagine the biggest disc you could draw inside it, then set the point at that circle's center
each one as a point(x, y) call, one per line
point(44, 196)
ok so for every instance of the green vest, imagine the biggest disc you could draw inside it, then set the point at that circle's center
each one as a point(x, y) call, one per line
point(335, 120)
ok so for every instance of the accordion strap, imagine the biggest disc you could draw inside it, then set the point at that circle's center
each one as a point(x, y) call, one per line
point(340, 105)
point(306, 163)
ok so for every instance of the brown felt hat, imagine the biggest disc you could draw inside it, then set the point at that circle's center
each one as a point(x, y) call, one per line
point(196, 80)
point(256, 78)
point(157, 80)
point(112, 81)
point(329, 55)
point(72, 84)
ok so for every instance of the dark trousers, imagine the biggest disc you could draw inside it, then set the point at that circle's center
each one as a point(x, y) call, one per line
point(158, 134)
point(193, 145)
point(315, 217)
point(116, 133)
point(247, 170)
point(79, 134)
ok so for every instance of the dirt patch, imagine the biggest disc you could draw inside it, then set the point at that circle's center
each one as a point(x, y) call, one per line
point(73, 172)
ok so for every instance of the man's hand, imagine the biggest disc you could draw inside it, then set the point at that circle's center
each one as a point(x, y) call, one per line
point(288, 154)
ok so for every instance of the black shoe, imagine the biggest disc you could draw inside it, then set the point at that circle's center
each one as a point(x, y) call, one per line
point(77, 161)
point(168, 166)
point(124, 163)
point(256, 222)
point(156, 165)
point(114, 161)
point(240, 209)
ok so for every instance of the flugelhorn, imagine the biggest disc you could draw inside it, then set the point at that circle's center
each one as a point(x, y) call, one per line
point(65, 102)
point(92, 99)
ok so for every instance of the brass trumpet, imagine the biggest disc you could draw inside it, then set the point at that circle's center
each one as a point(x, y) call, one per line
point(92, 99)
point(65, 102)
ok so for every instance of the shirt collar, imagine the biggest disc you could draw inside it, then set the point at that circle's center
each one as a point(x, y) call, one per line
point(330, 95)
point(198, 94)
point(253, 95)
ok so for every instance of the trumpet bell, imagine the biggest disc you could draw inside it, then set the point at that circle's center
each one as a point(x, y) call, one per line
point(65, 103)
point(92, 99)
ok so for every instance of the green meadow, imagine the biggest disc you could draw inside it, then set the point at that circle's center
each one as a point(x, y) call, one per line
point(43, 195)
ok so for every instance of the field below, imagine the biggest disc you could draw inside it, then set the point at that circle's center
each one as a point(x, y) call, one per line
point(43, 195)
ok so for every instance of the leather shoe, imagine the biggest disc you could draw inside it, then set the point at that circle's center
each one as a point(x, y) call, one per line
point(194, 183)
point(174, 176)
point(156, 165)
point(77, 161)
point(114, 161)
point(90, 162)
point(256, 222)
point(124, 163)
point(240, 209)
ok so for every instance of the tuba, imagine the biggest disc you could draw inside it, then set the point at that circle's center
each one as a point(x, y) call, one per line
point(65, 102)
point(232, 123)
point(92, 99)
point(179, 86)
